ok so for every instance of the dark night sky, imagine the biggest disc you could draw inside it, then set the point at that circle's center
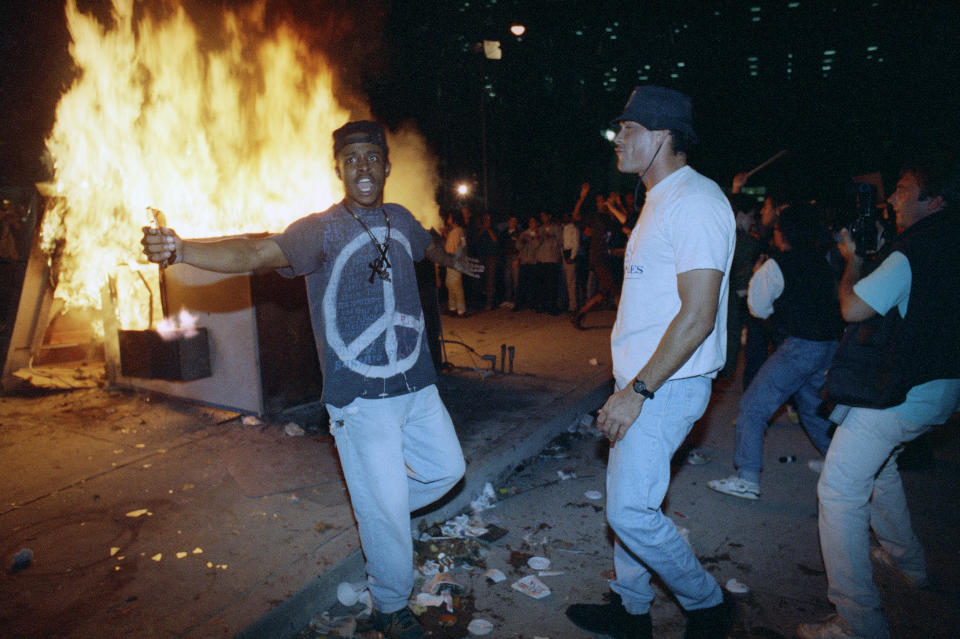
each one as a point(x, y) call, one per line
point(554, 90)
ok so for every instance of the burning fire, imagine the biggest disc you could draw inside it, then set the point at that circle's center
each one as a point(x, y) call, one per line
point(184, 324)
point(226, 133)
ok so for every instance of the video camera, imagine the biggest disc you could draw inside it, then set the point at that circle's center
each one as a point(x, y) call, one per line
point(864, 231)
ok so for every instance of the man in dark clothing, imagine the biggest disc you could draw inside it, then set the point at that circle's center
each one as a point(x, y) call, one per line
point(600, 264)
point(798, 289)
point(744, 258)
point(509, 238)
point(487, 247)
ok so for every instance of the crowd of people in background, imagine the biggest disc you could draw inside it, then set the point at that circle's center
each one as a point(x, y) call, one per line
point(553, 263)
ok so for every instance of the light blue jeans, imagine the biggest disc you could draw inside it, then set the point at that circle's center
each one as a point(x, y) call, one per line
point(638, 475)
point(860, 488)
point(798, 368)
point(398, 454)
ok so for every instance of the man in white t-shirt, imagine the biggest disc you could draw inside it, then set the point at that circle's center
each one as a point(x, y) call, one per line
point(668, 342)
point(860, 487)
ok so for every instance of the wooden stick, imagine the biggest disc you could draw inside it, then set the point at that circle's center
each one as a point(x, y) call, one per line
point(768, 162)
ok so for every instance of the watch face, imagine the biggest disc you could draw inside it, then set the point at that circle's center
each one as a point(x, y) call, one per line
point(641, 389)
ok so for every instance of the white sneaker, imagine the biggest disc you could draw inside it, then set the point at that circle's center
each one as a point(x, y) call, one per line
point(833, 628)
point(816, 465)
point(736, 487)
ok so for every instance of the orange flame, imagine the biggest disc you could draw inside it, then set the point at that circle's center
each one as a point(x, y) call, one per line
point(224, 139)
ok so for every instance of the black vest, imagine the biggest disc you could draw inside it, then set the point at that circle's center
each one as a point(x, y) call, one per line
point(808, 308)
point(928, 347)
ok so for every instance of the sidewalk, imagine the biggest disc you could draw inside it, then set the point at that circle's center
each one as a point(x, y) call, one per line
point(107, 488)
point(151, 517)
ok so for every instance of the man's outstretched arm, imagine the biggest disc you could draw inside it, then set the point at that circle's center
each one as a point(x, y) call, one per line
point(229, 255)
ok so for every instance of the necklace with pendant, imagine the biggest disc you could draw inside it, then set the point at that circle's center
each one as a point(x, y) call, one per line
point(380, 265)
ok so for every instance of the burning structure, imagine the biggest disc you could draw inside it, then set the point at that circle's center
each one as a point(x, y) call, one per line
point(226, 129)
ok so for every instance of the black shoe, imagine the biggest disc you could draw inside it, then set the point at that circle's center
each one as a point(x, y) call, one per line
point(397, 625)
point(711, 623)
point(611, 619)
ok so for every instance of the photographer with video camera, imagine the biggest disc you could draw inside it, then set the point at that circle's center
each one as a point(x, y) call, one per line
point(912, 383)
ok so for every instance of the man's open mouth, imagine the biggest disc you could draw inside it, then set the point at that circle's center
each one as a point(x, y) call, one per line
point(365, 185)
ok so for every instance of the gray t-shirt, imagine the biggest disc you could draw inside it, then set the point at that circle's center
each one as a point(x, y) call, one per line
point(370, 337)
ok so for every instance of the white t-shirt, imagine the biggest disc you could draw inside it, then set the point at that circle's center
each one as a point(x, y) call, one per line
point(888, 286)
point(765, 287)
point(686, 224)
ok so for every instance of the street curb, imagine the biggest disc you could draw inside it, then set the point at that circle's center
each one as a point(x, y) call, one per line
point(290, 617)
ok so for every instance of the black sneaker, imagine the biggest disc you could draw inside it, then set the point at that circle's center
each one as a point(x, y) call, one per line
point(711, 623)
point(611, 619)
point(397, 625)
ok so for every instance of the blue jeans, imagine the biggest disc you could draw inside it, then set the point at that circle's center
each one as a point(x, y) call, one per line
point(638, 475)
point(797, 368)
point(398, 454)
point(860, 488)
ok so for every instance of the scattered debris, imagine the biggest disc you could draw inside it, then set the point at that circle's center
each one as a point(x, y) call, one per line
point(447, 621)
point(493, 533)
point(565, 475)
point(735, 587)
point(427, 600)
point(594, 362)
point(532, 587)
point(157, 557)
point(495, 575)
point(22, 560)
point(181, 554)
point(62, 378)
point(435, 553)
point(441, 583)
point(593, 494)
point(539, 563)
point(697, 458)
point(480, 627)
point(133, 514)
point(250, 420)
point(114, 550)
point(344, 626)
point(349, 594)
point(486, 500)
point(462, 526)
point(294, 430)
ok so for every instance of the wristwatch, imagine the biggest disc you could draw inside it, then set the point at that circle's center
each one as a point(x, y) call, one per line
point(641, 389)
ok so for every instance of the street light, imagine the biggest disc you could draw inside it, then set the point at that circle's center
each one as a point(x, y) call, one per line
point(517, 29)
point(463, 190)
